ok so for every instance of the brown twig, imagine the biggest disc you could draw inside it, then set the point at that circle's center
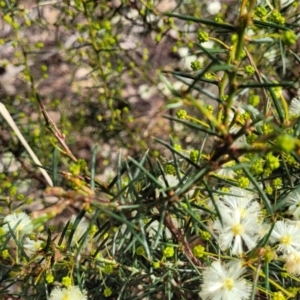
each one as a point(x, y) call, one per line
point(53, 128)
point(61, 138)
point(69, 197)
point(180, 237)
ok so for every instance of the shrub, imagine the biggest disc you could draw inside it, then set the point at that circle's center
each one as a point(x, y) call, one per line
point(214, 218)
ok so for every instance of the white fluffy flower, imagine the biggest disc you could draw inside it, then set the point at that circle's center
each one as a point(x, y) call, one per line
point(208, 45)
point(236, 231)
point(19, 223)
point(187, 58)
point(240, 221)
point(288, 237)
point(271, 55)
point(224, 282)
point(294, 201)
point(172, 181)
point(226, 170)
point(292, 263)
point(294, 108)
point(214, 7)
point(31, 247)
point(70, 293)
point(241, 200)
point(186, 61)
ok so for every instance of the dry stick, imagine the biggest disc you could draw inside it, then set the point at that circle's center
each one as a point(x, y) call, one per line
point(6, 115)
point(53, 128)
point(61, 138)
point(69, 197)
point(180, 237)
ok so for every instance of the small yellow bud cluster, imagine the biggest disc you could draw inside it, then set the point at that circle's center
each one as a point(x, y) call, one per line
point(198, 251)
point(203, 36)
point(168, 251)
point(181, 114)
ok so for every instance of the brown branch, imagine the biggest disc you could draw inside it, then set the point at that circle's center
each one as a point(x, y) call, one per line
point(53, 128)
point(61, 138)
point(69, 197)
point(180, 238)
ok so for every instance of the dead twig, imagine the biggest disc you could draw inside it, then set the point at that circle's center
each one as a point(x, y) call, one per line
point(180, 238)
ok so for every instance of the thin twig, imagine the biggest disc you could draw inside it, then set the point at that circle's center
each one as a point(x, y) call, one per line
point(180, 237)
